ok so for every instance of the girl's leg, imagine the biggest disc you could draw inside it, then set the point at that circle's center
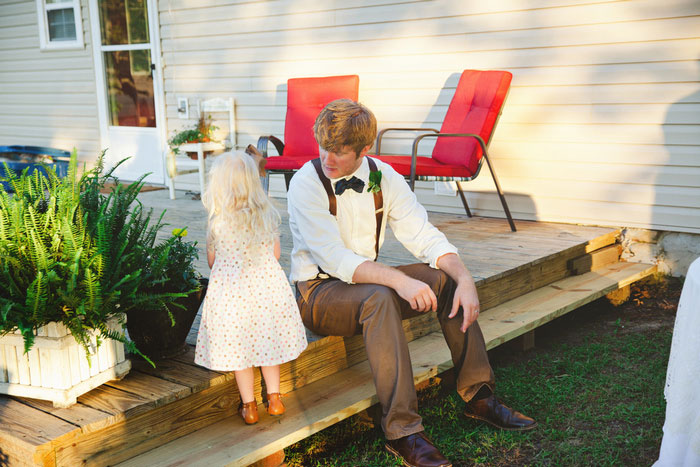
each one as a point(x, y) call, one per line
point(272, 378)
point(245, 380)
point(272, 383)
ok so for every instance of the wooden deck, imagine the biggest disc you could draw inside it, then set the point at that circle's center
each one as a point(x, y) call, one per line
point(151, 407)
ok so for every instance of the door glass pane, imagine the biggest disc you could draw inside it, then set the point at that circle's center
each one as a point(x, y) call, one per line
point(61, 24)
point(124, 22)
point(130, 88)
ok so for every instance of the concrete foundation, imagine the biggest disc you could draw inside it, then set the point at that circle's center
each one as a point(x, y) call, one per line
point(671, 251)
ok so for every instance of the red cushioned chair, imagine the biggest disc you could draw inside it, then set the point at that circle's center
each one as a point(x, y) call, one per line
point(306, 97)
point(465, 134)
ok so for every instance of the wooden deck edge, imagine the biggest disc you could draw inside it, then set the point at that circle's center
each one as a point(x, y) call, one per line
point(523, 314)
point(343, 394)
point(574, 251)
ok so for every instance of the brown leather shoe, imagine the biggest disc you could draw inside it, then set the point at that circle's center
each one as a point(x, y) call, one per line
point(249, 412)
point(417, 450)
point(493, 411)
point(275, 407)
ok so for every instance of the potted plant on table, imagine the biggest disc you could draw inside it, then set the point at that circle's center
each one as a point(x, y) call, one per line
point(202, 132)
point(71, 266)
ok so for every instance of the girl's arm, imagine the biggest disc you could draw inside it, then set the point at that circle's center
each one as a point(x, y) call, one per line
point(211, 254)
point(278, 249)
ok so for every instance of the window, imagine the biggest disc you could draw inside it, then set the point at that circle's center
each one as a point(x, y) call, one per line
point(60, 25)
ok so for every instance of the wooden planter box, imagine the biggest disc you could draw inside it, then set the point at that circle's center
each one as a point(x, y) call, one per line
point(57, 368)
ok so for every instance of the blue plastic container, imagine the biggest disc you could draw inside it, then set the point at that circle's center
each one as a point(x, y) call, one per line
point(20, 157)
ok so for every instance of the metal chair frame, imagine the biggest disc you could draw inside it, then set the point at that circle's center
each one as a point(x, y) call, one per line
point(262, 145)
point(437, 134)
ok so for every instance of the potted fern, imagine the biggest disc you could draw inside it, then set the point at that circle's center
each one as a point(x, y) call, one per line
point(71, 262)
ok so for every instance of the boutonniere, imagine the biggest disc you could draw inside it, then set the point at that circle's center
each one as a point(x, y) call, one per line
point(375, 180)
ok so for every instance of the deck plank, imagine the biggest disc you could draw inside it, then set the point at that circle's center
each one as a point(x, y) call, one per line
point(529, 311)
point(196, 378)
point(27, 434)
point(79, 414)
point(156, 390)
point(119, 404)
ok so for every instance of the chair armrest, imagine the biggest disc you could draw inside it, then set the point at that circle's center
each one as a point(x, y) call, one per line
point(263, 142)
point(381, 134)
point(418, 139)
point(414, 151)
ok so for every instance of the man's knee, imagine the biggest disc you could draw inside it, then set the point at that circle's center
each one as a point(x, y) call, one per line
point(381, 305)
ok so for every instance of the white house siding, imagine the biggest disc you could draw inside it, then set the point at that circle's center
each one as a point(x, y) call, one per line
point(47, 97)
point(601, 125)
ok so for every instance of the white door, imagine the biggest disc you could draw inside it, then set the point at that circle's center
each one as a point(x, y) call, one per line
point(127, 63)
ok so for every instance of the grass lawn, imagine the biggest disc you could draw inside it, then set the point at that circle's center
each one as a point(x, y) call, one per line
point(594, 383)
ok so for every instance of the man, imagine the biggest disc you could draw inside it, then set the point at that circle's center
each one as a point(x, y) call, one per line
point(341, 290)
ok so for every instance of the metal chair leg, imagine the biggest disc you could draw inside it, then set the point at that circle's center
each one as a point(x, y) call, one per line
point(500, 193)
point(464, 200)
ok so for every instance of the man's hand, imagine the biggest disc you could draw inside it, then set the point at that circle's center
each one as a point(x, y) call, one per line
point(465, 294)
point(467, 298)
point(418, 294)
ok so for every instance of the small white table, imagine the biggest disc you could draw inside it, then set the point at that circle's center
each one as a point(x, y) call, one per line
point(680, 446)
point(190, 165)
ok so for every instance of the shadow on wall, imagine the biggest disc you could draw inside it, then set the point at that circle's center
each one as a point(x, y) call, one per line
point(682, 139)
point(677, 204)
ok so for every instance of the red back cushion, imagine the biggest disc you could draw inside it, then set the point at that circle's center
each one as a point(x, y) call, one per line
point(306, 97)
point(474, 109)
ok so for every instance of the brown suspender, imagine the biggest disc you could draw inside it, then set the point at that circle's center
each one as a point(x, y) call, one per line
point(332, 206)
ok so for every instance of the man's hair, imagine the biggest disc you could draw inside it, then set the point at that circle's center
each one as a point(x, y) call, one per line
point(344, 122)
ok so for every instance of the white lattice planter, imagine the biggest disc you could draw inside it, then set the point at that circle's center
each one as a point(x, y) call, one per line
point(56, 368)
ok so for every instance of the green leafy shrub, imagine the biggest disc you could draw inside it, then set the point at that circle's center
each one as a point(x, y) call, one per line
point(70, 254)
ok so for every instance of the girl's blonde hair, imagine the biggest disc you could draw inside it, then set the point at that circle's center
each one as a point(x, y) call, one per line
point(234, 199)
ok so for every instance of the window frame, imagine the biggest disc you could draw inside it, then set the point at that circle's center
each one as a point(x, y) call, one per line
point(43, 9)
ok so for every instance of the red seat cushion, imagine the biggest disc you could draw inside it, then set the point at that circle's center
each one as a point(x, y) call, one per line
point(473, 109)
point(425, 166)
point(286, 162)
point(306, 97)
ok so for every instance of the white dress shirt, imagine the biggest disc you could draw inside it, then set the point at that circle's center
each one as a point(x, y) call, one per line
point(339, 244)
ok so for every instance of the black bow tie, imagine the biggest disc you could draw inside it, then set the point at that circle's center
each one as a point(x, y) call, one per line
point(354, 183)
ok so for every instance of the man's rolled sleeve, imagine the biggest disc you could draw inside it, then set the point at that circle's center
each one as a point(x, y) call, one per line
point(410, 224)
point(439, 250)
point(347, 266)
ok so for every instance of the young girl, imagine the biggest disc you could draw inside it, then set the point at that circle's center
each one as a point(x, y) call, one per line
point(250, 317)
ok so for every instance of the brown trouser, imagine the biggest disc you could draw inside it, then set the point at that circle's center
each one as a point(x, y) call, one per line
point(335, 308)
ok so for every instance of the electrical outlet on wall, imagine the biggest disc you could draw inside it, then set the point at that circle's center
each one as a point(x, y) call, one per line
point(183, 109)
point(445, 188)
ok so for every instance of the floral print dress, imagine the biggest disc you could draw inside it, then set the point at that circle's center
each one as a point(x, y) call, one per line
point(250, 317)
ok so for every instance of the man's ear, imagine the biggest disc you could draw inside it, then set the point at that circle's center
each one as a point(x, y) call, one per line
point(365, 150)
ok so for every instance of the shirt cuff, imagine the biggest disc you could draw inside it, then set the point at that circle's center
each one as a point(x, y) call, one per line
point(347, 266)
point(437, 252)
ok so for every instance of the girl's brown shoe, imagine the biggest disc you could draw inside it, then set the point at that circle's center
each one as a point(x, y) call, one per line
point(249, 412)
point(275, 406)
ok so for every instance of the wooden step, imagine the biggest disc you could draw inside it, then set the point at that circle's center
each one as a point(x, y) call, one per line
point(329, 400)
point(527, 312)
